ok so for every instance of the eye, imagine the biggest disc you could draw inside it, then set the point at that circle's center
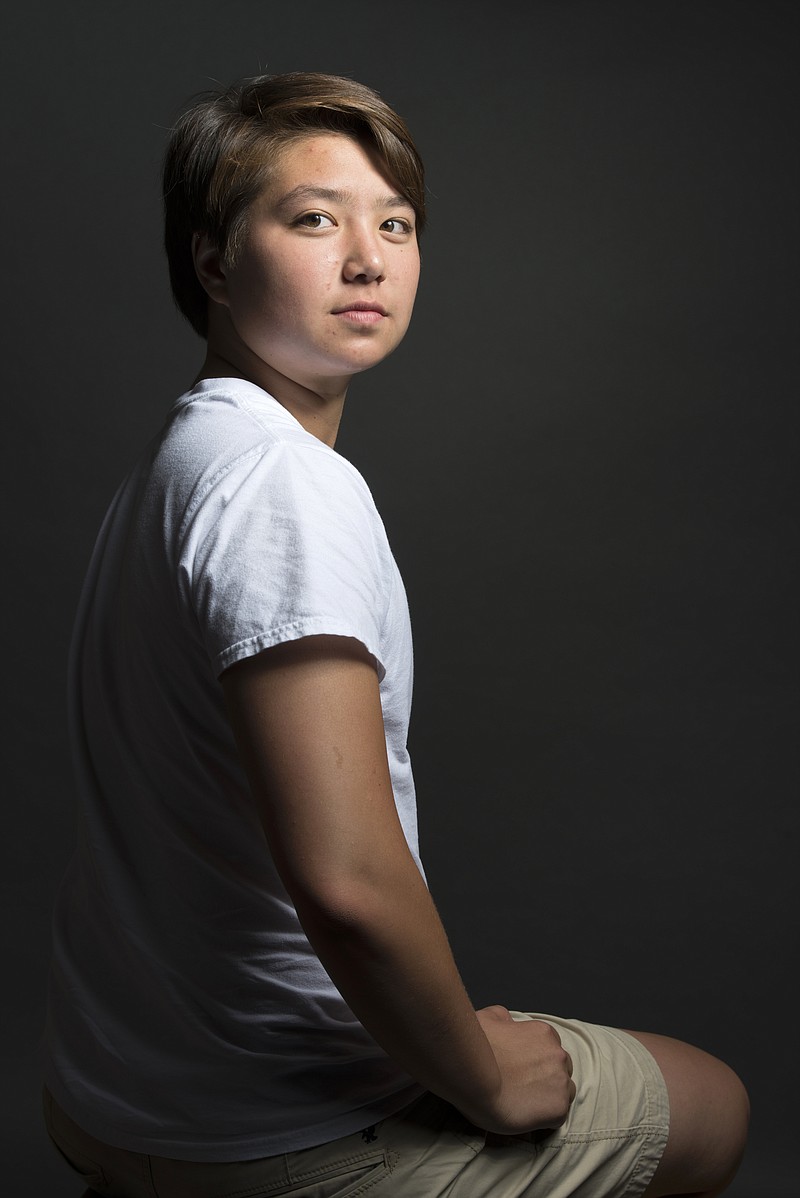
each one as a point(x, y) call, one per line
point(397, 224)
point(314, 220)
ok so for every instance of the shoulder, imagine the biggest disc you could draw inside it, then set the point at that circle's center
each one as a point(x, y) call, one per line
point(228, 442)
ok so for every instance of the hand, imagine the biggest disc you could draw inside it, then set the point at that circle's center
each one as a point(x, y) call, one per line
point(535, 1071)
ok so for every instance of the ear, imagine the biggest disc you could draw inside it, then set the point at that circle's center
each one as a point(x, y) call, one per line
point(209, 269)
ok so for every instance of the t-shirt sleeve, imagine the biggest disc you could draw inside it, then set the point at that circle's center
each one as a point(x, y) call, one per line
point(286, 544)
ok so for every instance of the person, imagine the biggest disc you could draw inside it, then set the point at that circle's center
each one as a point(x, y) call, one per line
point(251, 991)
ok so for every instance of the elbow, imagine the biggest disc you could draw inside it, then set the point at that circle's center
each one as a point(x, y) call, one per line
point(363, 906)
point(339, 905)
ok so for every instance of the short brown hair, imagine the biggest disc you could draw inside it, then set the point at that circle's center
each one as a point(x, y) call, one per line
point(222, 148)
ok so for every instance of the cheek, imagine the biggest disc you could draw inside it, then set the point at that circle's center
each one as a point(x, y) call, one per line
point(259, 298)
point(297, 288)
point(410, 272)
point(410, 284)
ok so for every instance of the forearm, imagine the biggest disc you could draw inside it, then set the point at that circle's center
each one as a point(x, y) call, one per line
point(309, 725)
point(383, 944)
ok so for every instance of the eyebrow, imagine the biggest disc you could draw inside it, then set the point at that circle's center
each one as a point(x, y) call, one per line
point(307, 191)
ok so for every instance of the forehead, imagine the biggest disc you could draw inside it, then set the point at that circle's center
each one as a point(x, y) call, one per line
point(333, 161)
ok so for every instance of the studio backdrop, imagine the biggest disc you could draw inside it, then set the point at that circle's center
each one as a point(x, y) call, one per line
point(584, 454)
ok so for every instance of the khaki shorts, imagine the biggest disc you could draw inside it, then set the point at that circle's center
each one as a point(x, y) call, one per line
point(609, 1146)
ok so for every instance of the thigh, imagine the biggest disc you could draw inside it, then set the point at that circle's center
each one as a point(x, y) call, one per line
point(709, 1119)
point(618, 1124)
point(610, 1144)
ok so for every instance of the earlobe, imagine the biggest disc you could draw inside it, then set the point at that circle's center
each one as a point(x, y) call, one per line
point(209, 269)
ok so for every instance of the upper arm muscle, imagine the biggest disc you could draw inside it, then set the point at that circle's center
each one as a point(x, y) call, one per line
point(308, 722)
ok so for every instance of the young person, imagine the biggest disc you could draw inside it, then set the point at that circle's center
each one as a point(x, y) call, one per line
point(251, 990)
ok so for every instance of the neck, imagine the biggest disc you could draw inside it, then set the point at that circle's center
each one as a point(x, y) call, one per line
point(319, 413)
point(317, 404)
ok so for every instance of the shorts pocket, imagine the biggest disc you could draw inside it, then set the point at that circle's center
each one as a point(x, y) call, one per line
point(309, 1173)
point(345, 1178)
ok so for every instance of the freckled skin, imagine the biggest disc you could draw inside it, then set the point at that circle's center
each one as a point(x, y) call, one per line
point(282, 316)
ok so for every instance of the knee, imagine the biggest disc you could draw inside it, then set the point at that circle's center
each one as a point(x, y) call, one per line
point(739, 1105)
point(719, 1157)
point(709, 1118)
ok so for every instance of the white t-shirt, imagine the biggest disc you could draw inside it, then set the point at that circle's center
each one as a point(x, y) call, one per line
point(188, 1015)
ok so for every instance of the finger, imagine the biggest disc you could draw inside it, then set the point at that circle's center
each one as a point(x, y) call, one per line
point(553, 1030)
point(497, 1012)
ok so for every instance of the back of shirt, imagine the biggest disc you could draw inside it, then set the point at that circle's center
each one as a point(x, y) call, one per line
point(188, 1015)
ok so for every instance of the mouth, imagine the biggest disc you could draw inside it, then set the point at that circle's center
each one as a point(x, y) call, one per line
point(360, 307)
point(361, 313)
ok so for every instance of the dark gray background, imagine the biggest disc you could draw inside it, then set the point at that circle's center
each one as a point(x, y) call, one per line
point(584, 454)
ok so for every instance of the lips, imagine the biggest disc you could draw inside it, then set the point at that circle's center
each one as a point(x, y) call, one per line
point(360, 307)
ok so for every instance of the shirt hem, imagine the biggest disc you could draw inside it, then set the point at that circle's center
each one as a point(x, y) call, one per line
point(295, 631)
point(229, 1149)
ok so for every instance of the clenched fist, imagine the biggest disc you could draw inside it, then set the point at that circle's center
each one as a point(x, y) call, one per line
point(536, 1086)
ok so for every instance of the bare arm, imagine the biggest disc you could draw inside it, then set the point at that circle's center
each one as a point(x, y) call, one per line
point(308, 722)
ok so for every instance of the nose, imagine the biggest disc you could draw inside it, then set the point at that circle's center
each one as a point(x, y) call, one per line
point(364, 261)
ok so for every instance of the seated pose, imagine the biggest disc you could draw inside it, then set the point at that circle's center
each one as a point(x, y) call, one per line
point(251, 992)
